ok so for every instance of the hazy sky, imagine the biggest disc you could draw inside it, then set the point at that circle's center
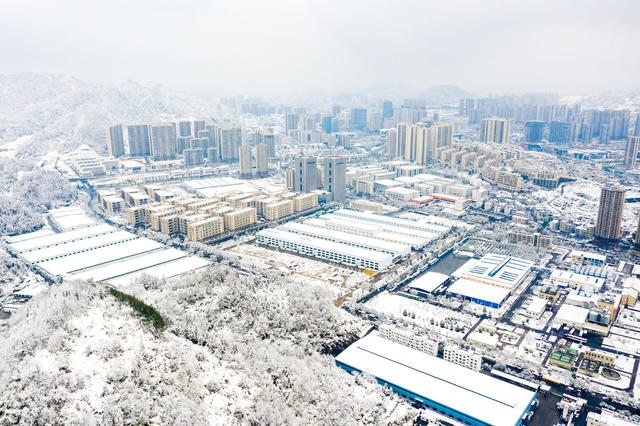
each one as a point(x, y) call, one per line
point(266, 47)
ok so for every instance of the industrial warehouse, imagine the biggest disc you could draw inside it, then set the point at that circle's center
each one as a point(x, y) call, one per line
point(457, 392)
point(362, 239)
point(100, 252)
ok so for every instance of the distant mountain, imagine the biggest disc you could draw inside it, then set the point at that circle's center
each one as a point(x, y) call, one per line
point(63, 112)
point(444, 95)
point(614, 100)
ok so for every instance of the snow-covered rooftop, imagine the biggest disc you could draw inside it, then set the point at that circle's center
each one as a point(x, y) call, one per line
point(429, 281)
point(477, 395)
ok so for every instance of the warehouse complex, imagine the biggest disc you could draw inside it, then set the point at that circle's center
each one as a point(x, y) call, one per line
point(100, 252)
point(461, 394)
point(362, 239)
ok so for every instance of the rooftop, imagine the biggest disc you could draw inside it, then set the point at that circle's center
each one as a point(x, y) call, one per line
point(477, 395)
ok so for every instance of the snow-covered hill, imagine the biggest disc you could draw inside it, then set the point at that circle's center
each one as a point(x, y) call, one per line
point(64, 112)
point(236, 352)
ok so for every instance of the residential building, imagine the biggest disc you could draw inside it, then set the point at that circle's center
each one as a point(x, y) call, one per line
point(262, 160)
point(496, 130)
point(631, 151)
point(245, 162)
point(139, 140)
point(206, 228)
point(115, 141)
point(163, 141)
point(610, 213)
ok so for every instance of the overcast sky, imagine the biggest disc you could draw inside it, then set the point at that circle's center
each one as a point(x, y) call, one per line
point(269, 47)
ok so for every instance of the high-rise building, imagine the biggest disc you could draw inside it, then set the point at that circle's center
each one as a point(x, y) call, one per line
point(163, 141)
point(115, 141)
point(402, 132)
point(267, 137)
point(423, 139)
point(305, 174)
point(184, 128)
point(392, 143)
point(182, 143)
point(291, 122)
point(335, 169)
point(610, 213)
point(197, 126)
point(330, 124)
point(637, 239)
point(495, 130)
point(636, 129)
point(631, 151)
point(139, 140)
point(245, 161)
point(559, 132)
point(533, 131)
point(387, 109)
point(358, 118)
point(229, 139)
point(262, 160)
point(375, 121)
point(193, 157)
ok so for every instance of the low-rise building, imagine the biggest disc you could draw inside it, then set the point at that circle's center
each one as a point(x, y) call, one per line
point(407, 338)
point(240, 218)
point(304, 202)
point(278, 209)
point(464, 357)
point(206, 228)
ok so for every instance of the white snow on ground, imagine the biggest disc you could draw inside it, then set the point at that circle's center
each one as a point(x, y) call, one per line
point(338, 279)
point(394, 306)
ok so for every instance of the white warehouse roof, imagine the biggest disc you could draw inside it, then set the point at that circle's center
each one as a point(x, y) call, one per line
point(429, 281)
point(500, 270)
point(369, 243)
point(480, 291)
point(479, 396)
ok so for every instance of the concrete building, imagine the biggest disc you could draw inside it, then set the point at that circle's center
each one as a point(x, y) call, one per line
point(240, 218)
point(305, 174)
point(193, 157)
point(115, 141)
point(278, 209)
point(334, 177)
point(228, 141)
point(533, 131)
point(409, 339)
point(610, 213)
point(631, 151)
point(496, 130)
point(205, 228)
point(464, 357)
point(291, 122)
point(534, 239)
point(245, 162)
point(607, 418)
point(163, 141)
point(365, 205)
point(139, 140)
point(304, 202)
point(184, 128)
point(262, 160)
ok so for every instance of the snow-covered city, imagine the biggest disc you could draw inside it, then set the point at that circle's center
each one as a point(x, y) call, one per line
point(201, 244)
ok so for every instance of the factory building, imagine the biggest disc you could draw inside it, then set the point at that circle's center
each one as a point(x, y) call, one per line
point(329, 250)
point(464, 395)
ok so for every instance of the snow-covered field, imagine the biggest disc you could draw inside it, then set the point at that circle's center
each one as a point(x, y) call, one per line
point(338, 279)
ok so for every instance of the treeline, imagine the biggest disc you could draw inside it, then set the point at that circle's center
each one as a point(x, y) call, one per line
point(149, 313)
